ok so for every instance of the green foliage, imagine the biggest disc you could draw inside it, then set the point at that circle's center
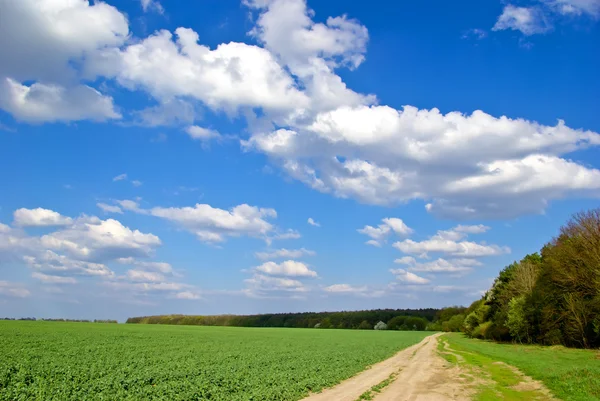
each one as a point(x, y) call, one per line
point(338, 320)
point(364, 325)
point(396, 322)
point(550, 298)
point(454, 324)
point(89, 361)
point(516, 321)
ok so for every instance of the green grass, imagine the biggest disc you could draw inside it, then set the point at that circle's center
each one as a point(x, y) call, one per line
point(570, 374)
point(80, 361)
point(376, 389)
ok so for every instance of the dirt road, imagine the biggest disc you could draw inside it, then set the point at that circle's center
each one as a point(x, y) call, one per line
point(420, 375)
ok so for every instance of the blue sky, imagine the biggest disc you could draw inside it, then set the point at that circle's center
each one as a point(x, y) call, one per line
point(273, 155)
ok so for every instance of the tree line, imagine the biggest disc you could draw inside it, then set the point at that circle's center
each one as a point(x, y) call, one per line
point(551, 297)
point(396, 319)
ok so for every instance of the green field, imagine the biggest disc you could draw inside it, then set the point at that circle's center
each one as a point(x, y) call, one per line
point(81, 361)
point(570, 374)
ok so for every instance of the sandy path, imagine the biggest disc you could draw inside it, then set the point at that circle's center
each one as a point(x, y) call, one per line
point(427, 376)
point(422, 375)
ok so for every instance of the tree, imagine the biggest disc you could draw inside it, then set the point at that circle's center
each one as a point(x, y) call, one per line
point(380, 326)
point(516, 322)
point(364, 325)
point(396, 322)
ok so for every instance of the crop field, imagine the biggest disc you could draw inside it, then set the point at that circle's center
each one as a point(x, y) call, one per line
point(81, 361)
point(570, 374)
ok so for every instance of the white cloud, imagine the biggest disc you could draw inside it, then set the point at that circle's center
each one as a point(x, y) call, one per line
point(66, 34)
point(46, 278)
point(136, 183)
point(470, 166)
point(161, 267)
point(13, 290)
point(260, 283)
point(450, 242)
point(285, 253)
point(214, 225)
point(130, 205)
point(200, 133)
point(231, 76)
point(345, 288)
point(289, 268)
point(528, 20)
point(408, 277)
point(120, 177)
point(575, 7)
point(50, 261)
point(187, 295)
point(148, 5)
point(473, 229)
point(41, 103)
point(312, 222)
point(109, 208)
point(283, 235)
point(381, 232)
point(64, 31)
point(440, 265)
point(39, 218)
point(145, 276)
point(93, 239)
point(285, 27)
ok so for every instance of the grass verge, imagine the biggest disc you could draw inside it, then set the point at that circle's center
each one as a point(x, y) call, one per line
point(570, 374)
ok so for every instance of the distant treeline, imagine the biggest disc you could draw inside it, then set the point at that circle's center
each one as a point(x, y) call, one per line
point(549, 298)
point(61, 320)
point(396, 319)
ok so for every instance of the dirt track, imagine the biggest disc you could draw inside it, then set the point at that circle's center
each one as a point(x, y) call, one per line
point(421, 375)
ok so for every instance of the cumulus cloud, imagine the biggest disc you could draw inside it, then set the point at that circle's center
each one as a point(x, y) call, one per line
point(381, 232)
point(148, 5)
point(145, 276)
point(260, 285)
point(109, 208)
point(312, 222)
point(202, 134)
point(528, 20)
point(66, 34)
point(344, 288)
point(460, 265)
point(189, 295)
point(49, 261)
point(408, 277)
point(120, 177)
point(212, 224)
point(450, 242)
point(93, 239)
point(41, 103)
point(161, 267)
point(285, 253)
point(289, 268)
point(46, 278)
point(39, 217)
point(469, 166)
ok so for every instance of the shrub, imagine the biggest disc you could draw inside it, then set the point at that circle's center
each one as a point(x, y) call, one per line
point(380, 326)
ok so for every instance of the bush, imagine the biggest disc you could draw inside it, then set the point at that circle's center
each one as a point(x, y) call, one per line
point(380, 326)
point(396, 322)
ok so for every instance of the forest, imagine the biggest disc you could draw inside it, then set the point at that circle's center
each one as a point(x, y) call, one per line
point(551, 297)
point(396, 319)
